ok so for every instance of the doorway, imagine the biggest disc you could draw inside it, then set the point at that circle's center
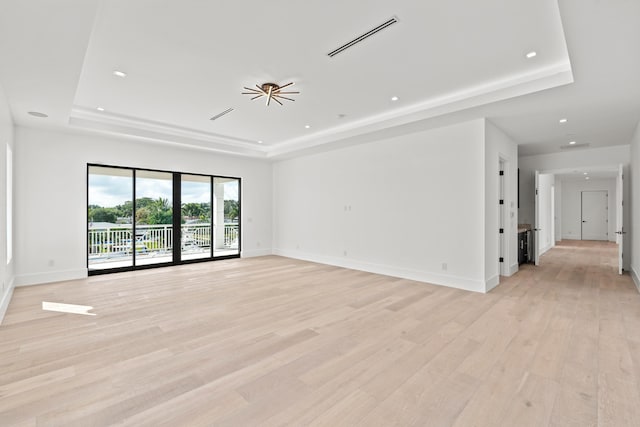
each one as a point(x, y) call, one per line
point(595, 215)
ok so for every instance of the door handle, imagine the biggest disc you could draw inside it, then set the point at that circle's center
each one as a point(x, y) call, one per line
point(584, 221)
point(621, 232)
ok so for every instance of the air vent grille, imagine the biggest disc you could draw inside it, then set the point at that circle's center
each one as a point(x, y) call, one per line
point(366, 35)
point(217, 116)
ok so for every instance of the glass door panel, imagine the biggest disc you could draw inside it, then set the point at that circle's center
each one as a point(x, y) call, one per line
point(195, 219)
point(226, 207)
point(109, 215)
point(154, 218)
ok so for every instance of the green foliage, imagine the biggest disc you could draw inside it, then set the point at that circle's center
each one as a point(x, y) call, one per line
point(98, 214)
point(231, 209)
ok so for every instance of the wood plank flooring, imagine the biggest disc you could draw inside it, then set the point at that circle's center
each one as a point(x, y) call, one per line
point(273, 342)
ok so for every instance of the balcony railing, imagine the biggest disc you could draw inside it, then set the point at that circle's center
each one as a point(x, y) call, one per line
point(156, 239)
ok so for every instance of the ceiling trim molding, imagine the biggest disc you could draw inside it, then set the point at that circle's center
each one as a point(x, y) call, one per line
point(87, 119)
point(510, 87)
point(523, 84)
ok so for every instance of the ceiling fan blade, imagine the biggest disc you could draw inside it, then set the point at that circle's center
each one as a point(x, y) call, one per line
point(269, 95)
point(283, 97)
point(288, 84)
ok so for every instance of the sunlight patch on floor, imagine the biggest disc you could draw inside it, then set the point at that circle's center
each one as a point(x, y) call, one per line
point(67, 308)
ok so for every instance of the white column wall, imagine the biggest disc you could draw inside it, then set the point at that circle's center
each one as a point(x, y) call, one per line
point(410, 206)
point(498, 146)
point(6, 265)
point(50, 195)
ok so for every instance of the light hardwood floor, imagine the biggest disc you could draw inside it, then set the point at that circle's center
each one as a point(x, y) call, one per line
point(273, 341)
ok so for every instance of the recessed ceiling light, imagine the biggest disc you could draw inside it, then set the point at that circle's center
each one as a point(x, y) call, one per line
point(37, 114)
point(563, 120)
point(260, 142)
point(531, 54)
point(99, 108)
point(119, 73)
point(307, 126)
point(585, 173)
point(572, 142)
point(586, 177)
point(394, 98)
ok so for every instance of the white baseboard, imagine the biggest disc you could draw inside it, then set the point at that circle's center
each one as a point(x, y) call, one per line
point(51, 276)
point(492, 283)
point(513, 269)
point(387, 270)
point(635, 277)
point(6, 299)
point(255, 253)
point(545, 249)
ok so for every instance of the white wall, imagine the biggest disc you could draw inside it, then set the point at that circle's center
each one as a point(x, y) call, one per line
point(50, 195)
point(404, 206)
point(572, 205)
point(547, 241)
point(633, 223)
point(565, 161)
point(557, 215)
point(499, 146)
point(6, 265)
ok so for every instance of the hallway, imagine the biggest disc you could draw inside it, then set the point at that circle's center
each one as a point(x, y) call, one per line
point(589, 350)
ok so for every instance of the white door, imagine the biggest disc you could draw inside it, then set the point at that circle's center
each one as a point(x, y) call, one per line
point(595, 215)
point(536, 226)
point(619, 217)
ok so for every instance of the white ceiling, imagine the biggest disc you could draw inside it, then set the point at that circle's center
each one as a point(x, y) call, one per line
point(446, 61)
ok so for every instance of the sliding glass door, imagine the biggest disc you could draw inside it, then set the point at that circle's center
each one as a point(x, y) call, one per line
point(133, 222)
point(154, 217)
point(195, 241)
point(109, 218)
point(227, 216)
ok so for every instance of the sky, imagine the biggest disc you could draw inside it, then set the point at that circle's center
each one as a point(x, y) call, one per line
point(110, 191)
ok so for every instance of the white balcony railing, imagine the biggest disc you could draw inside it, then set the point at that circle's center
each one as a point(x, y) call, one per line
point(117, 241)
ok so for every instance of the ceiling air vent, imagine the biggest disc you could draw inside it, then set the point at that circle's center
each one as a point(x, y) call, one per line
point(570, 147)
point(366, 35)
point(217, 116)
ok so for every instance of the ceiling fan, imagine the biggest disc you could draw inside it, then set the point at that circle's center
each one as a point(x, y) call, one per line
point(271, 91)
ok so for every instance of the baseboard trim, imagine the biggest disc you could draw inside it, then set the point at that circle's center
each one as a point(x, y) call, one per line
point(513, 269)
point(492, 283)
point(6, 299)
point(256, 253)
point(387, 270)
point(49, 277)
point(545, 249)
point(636, 278)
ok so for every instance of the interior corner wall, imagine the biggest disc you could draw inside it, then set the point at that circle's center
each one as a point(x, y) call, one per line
point(589, 158)
point(50, 171)
point(572, 206)
point(6, 226)
point(499, 145)
point(634, 222)
point(411, 206)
